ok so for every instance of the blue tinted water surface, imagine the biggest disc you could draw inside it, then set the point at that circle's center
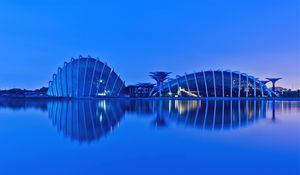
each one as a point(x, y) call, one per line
point(149, 137)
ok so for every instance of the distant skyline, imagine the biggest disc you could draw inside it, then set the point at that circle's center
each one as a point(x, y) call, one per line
point(257, 37)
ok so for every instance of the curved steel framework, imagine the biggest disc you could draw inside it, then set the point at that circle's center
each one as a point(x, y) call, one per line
point(213, 84)
point(85, 77)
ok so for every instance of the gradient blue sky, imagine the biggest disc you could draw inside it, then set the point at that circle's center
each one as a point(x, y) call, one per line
point(258, 37)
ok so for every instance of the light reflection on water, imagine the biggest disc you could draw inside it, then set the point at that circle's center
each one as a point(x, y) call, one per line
point(85, 120)
point(89, 120)
point(169, 135)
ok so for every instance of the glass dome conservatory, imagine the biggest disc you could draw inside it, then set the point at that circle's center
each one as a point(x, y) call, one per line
point(213, 84)
point(85, 77)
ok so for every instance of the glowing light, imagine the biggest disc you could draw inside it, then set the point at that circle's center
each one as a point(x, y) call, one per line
point(101, 94)
point(102, 105)
point(101, 118)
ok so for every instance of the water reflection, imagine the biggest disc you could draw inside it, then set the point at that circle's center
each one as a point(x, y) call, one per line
point(89, 120)
point(211, 114)
point(85, 120)
point(23, 104)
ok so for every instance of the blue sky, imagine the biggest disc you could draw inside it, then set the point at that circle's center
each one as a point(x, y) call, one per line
point(258, 37)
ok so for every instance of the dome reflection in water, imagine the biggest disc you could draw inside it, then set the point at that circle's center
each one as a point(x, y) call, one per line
point(79, 135)
point(208, 114)
point(88, 120)
point(213, 114)
point(85, 120)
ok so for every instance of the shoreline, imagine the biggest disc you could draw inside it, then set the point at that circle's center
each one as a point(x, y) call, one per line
point(151, 98)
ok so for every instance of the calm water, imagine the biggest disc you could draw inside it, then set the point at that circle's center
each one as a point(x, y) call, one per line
point(149, 137)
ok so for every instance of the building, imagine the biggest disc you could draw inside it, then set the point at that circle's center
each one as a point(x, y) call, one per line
point(89, 77)
point(139, 90)
point(85, 77)
point(213, 84)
